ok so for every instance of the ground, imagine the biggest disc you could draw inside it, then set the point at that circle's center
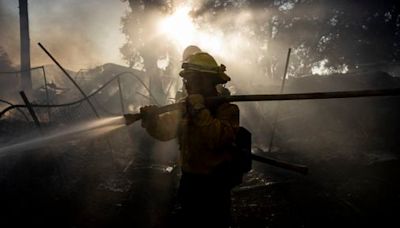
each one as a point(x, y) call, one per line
point(82, 184)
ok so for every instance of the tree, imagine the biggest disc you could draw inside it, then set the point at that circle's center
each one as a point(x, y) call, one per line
point(143, 49)
point(326, 36)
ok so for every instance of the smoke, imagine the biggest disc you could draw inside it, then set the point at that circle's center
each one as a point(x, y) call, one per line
point(9, 30)
point(80, 34)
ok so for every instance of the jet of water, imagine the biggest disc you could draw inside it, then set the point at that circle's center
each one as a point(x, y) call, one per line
point(85, 130)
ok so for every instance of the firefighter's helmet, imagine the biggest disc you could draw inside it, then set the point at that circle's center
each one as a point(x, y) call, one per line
point(190, 50)
point(204, 62)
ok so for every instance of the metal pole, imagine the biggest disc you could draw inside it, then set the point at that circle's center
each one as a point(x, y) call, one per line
point(282, 164)
point(31, 111)
point(47, 93)
point(281, 97)
point(25, 46)
point(285, 73)
point(121, 98)
point(70, 78)
point(278, 106)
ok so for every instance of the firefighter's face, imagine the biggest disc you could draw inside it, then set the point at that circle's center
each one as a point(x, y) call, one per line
point(196, 83)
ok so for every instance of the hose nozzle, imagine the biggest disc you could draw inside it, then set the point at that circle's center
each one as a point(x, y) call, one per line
point(132, 118)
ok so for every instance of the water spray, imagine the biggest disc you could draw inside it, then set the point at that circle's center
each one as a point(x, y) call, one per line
point(85, 130)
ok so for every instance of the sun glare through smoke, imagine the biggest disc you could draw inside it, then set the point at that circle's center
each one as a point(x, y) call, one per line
point(181, 29)
point(179, 26)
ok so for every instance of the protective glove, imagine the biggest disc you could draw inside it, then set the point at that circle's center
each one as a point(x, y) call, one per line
point(148, 116)
point(195, 103)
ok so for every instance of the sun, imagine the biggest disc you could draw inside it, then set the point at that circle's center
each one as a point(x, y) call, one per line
point(179, 27)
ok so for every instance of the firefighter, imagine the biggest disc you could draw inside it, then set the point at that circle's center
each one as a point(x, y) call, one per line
point(189, 50)
point(205, 132)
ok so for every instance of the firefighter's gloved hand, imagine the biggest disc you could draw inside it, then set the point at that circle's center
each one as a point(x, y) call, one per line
point(195, 103)
point(148, 116)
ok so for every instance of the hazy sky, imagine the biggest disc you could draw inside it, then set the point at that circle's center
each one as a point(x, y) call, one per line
point(78, 33)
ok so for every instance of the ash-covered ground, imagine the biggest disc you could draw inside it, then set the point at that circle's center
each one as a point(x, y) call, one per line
point(83, 184)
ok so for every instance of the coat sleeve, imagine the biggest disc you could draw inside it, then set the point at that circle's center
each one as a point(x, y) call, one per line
point(221, 130)
point(163, 127)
